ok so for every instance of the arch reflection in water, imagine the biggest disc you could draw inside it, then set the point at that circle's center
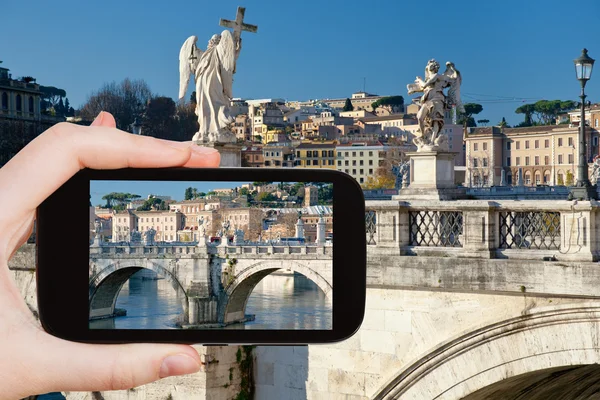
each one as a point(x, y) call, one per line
point(279, 301)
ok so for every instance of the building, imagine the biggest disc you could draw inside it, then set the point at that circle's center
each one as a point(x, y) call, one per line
point(245, 218)
point(547, 155)
point(279, 155)
point(123, 223)
point(359, 100)
point(359, 159)
point(392, 124)
point(298, 115)
point(592, 116)
point(261, 116)
point(356, 114)
point(315, 155)
point(242, 127)
point(274, 134)
point(166, 223)
point(311, 196)
point(252, 156)
point(21, 116)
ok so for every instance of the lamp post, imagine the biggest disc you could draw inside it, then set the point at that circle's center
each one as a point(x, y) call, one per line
point(583, 189)
point(136, 127)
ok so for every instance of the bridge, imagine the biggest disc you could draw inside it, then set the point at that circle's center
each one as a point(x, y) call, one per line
point(214, 282)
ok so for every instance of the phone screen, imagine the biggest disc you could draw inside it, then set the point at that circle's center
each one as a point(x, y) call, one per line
point(211, 255)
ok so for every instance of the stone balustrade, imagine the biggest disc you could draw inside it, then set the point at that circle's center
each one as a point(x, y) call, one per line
point(506, 229)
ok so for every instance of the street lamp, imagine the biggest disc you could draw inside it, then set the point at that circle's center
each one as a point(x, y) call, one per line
point(136, 127)
point(583, 189)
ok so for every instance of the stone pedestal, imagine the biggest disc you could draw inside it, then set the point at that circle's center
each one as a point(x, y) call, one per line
point(231, 153)
point(431, 177)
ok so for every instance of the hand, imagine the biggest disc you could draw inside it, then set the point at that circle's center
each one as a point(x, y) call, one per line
point(32, 361)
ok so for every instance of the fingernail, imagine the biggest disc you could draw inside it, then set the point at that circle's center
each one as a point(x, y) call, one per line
point(98, 119)
point(179, 364)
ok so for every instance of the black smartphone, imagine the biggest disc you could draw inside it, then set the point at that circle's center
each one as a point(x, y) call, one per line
point(206, 256)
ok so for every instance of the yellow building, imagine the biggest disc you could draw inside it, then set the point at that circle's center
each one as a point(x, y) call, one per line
point(316, 155)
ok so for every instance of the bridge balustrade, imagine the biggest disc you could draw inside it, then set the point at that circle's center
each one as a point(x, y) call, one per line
point(544, 229)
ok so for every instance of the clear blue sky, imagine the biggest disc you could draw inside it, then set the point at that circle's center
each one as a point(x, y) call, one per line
point(507, 51)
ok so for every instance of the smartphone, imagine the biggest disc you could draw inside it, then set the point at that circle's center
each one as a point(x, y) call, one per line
point(207, 256)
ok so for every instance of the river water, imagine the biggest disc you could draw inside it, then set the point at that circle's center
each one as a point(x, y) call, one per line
point(278, 302)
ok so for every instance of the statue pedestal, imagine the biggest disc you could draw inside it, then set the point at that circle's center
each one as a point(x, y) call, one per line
point(231, 153)
point(431, 177)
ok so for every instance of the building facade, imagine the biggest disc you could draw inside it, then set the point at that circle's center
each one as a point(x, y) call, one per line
point(315, 155)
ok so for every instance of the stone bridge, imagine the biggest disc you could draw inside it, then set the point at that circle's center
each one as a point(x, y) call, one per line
point(466, 300)
point(213, 282)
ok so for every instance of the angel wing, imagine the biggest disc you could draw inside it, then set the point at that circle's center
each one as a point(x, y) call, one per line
point(454, 91)
point(189, 57)
point(227, 56)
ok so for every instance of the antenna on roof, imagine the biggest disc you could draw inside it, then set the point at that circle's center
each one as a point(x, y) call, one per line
point(364, 84)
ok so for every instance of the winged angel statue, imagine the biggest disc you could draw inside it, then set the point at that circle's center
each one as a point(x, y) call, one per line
point(213, 70)
point(434, 103)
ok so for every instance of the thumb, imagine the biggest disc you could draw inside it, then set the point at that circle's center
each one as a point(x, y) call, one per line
point(67, 366)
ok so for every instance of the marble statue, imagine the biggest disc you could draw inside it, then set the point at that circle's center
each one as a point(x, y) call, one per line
point(434, 103)
point(238, 236)
point(201, 227)
point(136, 236)
point(149, 235)
point(225, 225)
point(213, 70)
point(97, 228)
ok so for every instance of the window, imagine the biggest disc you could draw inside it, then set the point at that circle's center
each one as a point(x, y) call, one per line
point(346, 154)
point(308, 153)
point(361, 154)
point(559, 179)
point(546, 177)
point(362, 171)
point(339, 163)
point(475, 163)
point(546, 143)
point(362, 180)
point(485, 162)
point(30, 108)
point(323, 153)
point(536, 144)
point(315, 162)
point(371, 153)
point(507, 145)
point(19, 103)
point(475, 146)
point(546, 160)
point(346, 171)
point(361, 162)
point(353, 172)
point(329, 162)
point(560, 158)
point(527, 144)
point(354, 162)
point(370, 171)
point(538, 178)
point(536, 160)
point(517, 145)
point(4, 101)
point(484, 146)
point(595, 140)
point(528, 178)
point(353, 154)
point(570, 158)
point(560, 142)
point(339, 153)
point(508, 161)
point(346, 163)
point(371, 161)
point(527, 160)
point(570, 141)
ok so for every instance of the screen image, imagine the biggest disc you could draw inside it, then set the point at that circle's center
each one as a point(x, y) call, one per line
point(211, 255)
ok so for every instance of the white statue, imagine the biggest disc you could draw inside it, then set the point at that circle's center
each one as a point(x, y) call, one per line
point(434, 103)
point(213, 70)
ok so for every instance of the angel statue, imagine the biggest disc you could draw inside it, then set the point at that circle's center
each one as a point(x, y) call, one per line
point(434, 103)
point(213, 70)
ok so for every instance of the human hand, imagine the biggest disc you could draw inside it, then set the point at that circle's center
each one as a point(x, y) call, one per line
point(32, 361)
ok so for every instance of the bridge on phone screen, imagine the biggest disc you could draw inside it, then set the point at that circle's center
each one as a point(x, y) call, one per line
point(214, 282)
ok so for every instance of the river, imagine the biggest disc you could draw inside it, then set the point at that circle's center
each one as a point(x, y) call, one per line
point(278, 302)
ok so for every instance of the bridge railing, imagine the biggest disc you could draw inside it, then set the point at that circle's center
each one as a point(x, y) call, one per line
point(544, 229)
point(277, 250)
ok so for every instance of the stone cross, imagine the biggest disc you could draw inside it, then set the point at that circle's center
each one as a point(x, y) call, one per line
point(238, 25)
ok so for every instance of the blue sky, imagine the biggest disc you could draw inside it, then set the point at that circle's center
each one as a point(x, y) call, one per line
point(509, 52)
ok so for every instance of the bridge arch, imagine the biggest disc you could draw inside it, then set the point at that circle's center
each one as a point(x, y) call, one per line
point(559, 337)
point(238, 291)
point(107, 283)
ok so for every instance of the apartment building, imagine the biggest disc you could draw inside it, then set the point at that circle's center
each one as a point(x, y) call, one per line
point(315, 155)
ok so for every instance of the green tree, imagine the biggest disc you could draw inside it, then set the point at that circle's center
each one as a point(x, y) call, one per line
point(188, 194)
point(483, 121)
point(528, 110)
point(264, 196)
point(160, 120)
point(570, 180)
point(201, 194)
point(391, 103)
point(503, 123)
point(153, 203)
point(51, 96)
point(348, 106)
point(244, 191)
point(466, 118)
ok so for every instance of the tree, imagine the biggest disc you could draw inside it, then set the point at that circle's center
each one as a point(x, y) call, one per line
point(51, 96)
point(160, 119)
point(570, 180)
point(119, 199)
point(153, 203)
point(503, 123)
point(483, 121)
point(528, 110)
point(348, 106)
point(264, 196)
point(188, 194)
point(392, 103)
point(244, 191)
point(125, 101)
point(380, 181)
point(466, 118)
